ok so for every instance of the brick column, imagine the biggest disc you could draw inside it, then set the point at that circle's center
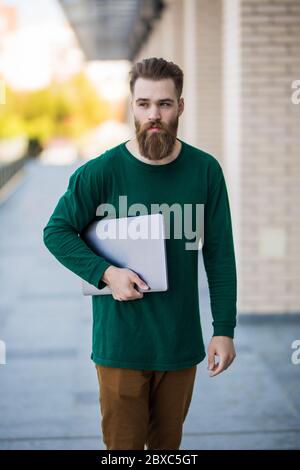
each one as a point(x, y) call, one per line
point(262, 149)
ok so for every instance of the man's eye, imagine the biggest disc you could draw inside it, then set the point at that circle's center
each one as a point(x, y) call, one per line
point(145, 104)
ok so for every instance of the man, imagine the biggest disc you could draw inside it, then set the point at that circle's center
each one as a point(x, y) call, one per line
point(146, 346)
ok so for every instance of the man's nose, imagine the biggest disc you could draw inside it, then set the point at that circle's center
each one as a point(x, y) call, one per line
point(154, 114)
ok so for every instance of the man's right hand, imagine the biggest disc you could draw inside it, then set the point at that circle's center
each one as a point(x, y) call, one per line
point(121, 282)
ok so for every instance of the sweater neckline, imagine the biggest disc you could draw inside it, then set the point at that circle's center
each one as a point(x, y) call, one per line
point(152, 167)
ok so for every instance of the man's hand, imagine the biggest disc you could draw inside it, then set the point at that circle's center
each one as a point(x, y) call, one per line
point(121, 282)
point(223, 347)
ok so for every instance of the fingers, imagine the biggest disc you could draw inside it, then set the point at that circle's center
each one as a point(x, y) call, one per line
point(137, 280)
point(128, 290)
point(220, 366)
point(211, 359)
point(131, 294)
point(135, 294)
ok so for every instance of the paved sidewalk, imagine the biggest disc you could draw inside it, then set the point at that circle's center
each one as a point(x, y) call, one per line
point(49, 389)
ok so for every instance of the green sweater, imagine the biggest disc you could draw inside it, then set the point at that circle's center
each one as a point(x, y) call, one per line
point(162, 330)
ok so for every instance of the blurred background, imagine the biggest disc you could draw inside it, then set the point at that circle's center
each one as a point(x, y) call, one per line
point(64, 99)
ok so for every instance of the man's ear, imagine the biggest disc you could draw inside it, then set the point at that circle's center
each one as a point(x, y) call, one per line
point(181, 106)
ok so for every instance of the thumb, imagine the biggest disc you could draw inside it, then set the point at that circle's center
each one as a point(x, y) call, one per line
point(135, 278)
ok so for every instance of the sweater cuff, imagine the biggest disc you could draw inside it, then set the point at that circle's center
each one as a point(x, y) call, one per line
point(224, 330)
point(101, 284)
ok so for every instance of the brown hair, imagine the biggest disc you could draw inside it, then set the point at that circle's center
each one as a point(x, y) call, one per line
point(157, 69)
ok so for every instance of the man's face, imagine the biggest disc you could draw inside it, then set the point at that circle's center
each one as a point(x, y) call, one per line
point(155, 105)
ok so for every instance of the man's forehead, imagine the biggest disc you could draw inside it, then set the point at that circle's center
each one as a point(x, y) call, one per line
point(154, 89)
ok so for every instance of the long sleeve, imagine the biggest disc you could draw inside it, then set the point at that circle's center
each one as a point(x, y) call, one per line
point(75, 209)
point(219, 258)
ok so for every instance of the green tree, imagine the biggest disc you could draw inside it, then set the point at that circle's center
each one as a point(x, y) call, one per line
point(66, 109)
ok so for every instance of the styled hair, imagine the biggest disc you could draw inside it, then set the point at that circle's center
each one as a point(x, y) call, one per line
point(157, 69)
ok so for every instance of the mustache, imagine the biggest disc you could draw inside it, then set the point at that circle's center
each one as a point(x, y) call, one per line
point(166, 131)
point(154, 124)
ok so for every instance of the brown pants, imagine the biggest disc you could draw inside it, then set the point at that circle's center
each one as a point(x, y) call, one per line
point(142, 407)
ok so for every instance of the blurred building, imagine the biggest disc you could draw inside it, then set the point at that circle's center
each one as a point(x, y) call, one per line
point(8, 19)
point(240, 58)
point(8, 23)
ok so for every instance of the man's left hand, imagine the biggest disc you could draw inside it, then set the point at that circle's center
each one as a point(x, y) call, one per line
point(223, 347)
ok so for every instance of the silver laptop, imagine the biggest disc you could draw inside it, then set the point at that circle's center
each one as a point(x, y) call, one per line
point(137, 243)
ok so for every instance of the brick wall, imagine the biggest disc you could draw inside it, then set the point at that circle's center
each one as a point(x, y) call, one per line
point(240, 58)
point(269, 156)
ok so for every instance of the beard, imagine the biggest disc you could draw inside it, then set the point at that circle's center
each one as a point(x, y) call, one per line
point(156, 145)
